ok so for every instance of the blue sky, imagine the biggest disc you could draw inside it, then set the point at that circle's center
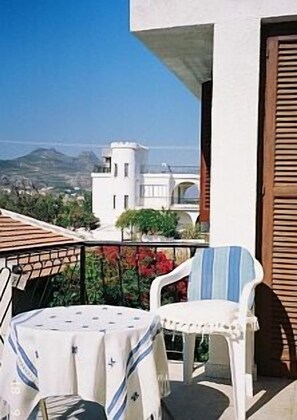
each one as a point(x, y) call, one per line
point(72, 73)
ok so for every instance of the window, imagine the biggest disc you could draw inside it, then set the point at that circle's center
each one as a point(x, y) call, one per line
point(114, 202)
point(153, 191)
point(126, 170)
point(115, 169)
point(126, 201)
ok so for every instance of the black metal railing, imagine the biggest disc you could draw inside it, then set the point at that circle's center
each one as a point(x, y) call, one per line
point(185, 200)
point(89, 272)
point(96, 271)
point(126, 269)
point(165, 168)
point(30, 271)
point(103, 169)
point(194, 201)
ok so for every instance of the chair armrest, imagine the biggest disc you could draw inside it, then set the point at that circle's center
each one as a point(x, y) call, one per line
point(178, 273)
point(247, 294)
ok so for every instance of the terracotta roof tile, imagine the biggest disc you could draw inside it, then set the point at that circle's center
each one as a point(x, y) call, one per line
point(16, 234)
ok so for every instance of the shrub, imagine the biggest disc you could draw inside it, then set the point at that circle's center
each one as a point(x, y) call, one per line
point(127, 219)
point(150, 221)
point(113, 277)
point(191, 232)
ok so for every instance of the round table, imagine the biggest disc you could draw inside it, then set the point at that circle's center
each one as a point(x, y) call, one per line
point(108, 354)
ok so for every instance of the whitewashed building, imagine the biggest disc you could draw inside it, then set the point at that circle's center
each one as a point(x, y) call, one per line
point(126, 180)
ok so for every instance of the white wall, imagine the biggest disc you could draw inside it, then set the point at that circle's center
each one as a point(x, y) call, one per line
point(124, 185)
point(102, 197)
point(235, 133)
point(153, 14)
point(107, 185)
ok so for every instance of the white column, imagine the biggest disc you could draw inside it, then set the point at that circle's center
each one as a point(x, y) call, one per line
point(235, 132)
point(234, 147)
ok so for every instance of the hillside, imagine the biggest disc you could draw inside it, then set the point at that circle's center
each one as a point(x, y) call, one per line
point(49, 168)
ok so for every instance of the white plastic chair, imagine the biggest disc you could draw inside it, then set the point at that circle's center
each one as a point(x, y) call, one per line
point(220, 301)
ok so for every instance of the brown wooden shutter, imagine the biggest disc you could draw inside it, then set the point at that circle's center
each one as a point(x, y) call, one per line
point(278, 297)
point(205, 166)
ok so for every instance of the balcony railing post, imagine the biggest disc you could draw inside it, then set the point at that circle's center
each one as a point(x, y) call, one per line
point(120, 274)
point(138, 275)
point(102, 273)
point(82, 277)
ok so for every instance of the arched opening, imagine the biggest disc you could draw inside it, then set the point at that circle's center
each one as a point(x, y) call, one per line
point(185, 193)
point(184, 221)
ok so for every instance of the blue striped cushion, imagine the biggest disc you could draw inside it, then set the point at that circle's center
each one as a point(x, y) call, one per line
point(220, 273)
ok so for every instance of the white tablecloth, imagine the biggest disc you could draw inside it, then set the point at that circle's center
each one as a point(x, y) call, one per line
point(111, 355)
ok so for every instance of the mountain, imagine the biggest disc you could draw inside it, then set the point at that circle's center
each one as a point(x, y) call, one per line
point(49, 168)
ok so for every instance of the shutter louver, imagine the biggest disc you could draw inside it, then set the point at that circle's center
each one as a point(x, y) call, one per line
point(205, 167)
point(286, 114)
point(280, 206)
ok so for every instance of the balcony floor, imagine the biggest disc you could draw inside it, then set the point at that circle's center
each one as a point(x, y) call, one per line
point(206, 399)
point(210, 398)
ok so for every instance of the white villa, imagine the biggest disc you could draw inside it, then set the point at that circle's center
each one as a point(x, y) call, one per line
point(125, 180)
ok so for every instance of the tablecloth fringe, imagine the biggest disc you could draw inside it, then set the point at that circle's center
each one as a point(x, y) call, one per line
point(156, 415)
point(164, 385)
point(4, 410)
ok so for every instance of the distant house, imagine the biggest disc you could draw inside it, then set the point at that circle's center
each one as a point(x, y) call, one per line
point(125, 180)
point(30, 250)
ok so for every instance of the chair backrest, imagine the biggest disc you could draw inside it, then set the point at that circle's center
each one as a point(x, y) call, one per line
point(220, 273)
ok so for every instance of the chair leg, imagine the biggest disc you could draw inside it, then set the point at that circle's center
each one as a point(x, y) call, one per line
point(188, 356)
point(43, 409)
point(237, 353)
point(249, 362)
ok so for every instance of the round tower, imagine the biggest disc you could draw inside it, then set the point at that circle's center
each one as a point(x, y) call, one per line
point(126, 160)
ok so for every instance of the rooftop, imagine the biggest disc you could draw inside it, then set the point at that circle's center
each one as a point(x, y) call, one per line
point(17, 230)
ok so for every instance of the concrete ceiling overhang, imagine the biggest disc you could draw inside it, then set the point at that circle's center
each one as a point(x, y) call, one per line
point(187, 51)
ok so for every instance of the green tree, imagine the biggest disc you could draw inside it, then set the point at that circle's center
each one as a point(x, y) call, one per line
point(73, 215)
point(87, 201)
point(46, 208)
point(51, 208)
point(127, 220)
point(168, 221)
point(6, 201)
point(150, 221)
